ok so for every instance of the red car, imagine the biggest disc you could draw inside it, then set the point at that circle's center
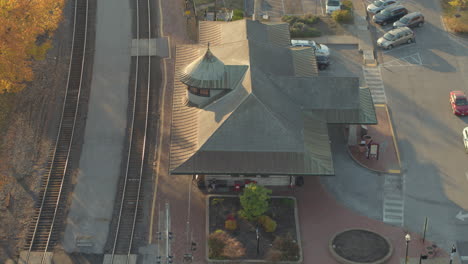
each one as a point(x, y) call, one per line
point(459, 103)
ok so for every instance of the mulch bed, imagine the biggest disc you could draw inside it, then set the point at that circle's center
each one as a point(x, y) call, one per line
point(361, 246)
point(281, 210)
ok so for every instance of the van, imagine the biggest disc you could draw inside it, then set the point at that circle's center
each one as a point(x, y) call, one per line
point(415, 19)
point(319, 49)
point(396, 37)
point(332, 5)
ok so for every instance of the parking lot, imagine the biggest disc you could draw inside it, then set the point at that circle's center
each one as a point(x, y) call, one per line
point(405, 54)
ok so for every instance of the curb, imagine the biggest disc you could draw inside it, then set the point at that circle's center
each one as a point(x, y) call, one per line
point(395, 143)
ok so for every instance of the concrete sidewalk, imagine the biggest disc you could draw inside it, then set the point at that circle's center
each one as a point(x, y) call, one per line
point(96, 184)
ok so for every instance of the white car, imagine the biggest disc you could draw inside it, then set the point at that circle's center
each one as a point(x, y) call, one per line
point(465, 138)
point(332, 5)
point(379, 5)
point(320, 49)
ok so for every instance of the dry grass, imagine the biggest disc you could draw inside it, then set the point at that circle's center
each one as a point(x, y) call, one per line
point(456, 24)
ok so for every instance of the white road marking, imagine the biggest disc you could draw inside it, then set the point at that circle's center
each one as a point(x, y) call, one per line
point(397, 48)
point(393, 201)
point(373, 79)
point(411, 60)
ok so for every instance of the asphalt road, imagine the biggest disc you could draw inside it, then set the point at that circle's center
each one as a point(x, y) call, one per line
point(418, 78)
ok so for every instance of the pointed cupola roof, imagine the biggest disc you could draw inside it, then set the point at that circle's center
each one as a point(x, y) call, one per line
point(206, 72)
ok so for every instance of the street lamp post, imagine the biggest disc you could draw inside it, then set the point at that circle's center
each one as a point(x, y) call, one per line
point(407, 239)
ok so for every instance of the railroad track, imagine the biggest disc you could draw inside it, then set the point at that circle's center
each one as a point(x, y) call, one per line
point(47, 221)
point(131, 187)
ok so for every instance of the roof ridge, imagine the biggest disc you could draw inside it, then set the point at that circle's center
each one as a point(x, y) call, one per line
point(274, 115)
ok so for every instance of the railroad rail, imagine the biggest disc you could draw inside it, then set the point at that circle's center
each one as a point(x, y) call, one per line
point(130, 196)
point(48, 217)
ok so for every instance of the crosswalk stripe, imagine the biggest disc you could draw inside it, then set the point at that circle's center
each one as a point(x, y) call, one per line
point(373, 79)
point(393, 200)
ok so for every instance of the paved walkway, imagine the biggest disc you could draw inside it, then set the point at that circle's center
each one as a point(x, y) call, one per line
point(387, 159)
point(93, 197)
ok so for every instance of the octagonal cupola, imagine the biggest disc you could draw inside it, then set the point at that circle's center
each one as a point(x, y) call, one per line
point(206, 78)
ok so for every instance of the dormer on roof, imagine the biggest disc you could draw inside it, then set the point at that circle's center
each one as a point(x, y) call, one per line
point(207, 78)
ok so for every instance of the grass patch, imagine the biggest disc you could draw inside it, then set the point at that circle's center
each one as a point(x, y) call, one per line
point(456, 19)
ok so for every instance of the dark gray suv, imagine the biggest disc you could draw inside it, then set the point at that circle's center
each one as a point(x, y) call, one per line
point(415, 19)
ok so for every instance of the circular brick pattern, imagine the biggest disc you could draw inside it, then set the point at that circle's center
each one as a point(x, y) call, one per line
point(360, 246)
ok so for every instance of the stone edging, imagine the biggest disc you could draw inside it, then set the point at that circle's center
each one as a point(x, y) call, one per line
point(207, 232)
point(345, 261)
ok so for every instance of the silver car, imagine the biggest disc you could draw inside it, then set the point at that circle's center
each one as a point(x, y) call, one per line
point(379, 5)
point(396, 37)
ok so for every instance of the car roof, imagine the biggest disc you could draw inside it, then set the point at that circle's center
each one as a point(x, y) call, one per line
point(413, 14)
point(394, 7)
point(401, 29)
point(458, 93)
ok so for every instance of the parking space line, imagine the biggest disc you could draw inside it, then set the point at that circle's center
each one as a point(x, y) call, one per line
point(397, 48)
point(411, 60)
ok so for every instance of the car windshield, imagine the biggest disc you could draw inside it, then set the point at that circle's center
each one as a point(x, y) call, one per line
point(461, 101)
point(404, 20)
point(389, 36)
point(333, 3)
point(378, 3)
point(385, 13)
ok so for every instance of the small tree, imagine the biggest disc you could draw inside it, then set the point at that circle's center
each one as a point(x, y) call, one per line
point(254, 201)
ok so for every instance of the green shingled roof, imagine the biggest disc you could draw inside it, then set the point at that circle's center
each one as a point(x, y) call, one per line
point(274, 117)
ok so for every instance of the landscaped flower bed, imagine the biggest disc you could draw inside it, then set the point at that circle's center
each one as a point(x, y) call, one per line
point(233, 237)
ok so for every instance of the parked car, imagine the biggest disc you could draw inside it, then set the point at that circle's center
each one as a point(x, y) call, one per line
point(415, 19)
point(320, 49)
point(459, 103)
point(332, 5)
point(396, 37)
point(322, 61)
point(378, 5)
point(465, 138)
point(390, 14)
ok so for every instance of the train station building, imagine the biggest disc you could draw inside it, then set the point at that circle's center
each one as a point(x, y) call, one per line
point(249, 107)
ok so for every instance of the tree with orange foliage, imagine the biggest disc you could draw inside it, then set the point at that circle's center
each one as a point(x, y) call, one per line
point(22, 22)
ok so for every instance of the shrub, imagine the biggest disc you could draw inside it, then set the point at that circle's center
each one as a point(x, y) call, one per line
point(342, 16)
point(309, 19)
point(347, 5)
point(290, 19)
point(273, 255)
point(215, 245)
point(237, 15)
point(254, 201)
point(222, 245)
point(268, 224)
point(287, 246)
point(230, 224)
point(456, 25)
point(306, 32)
